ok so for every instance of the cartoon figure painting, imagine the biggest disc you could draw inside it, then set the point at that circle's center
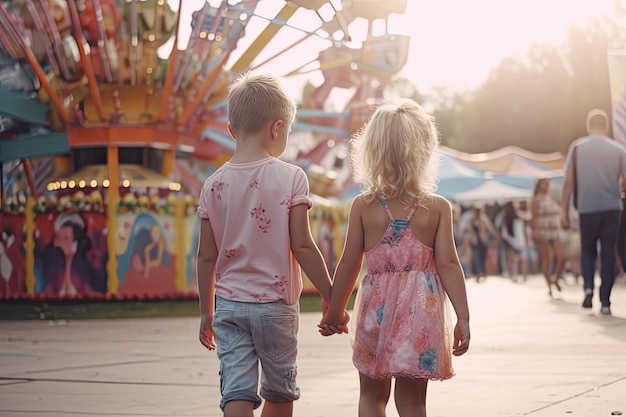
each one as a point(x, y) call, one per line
point(146, 258)
point(64, 264)
point(12, 264)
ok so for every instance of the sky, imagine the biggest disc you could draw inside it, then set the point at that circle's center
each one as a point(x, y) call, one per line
point(454, 43)
point(457, 42)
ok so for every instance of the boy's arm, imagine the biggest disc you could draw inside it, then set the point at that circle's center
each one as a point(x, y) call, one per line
point(306, 251)
point(205, 269)
point(452, 277)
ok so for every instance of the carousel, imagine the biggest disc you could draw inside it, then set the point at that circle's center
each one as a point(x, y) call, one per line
point(112, 114)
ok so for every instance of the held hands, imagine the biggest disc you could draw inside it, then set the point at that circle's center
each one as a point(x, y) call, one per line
point(461, 337)
point(207, 335)
point(333, 323)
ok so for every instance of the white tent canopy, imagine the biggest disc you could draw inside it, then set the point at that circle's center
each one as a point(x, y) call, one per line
point(492, 191)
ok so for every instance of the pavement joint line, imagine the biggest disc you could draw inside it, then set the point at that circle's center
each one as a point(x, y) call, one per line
point(91, 381)
point(81, 413)
point(571, 397)
point(105, 365)
point(15, 381)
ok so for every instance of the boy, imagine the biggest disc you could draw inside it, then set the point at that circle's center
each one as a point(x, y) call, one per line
point(254, 232)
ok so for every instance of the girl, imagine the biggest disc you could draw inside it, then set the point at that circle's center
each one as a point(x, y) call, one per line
point(480, 232)
point(513, 234)
point(546, 221)
point(405, 233)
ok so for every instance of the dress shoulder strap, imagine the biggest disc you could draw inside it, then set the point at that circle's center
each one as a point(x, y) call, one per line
point(412, 211)
point(388, 211)
point(386, 207)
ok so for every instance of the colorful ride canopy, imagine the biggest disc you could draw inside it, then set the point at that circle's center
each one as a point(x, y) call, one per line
point(93, 68)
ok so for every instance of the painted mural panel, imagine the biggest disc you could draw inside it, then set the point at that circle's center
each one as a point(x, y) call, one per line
point(70, 255)
point(12, 256)
point(146, 257)
point(328, 228)
point(192, 228)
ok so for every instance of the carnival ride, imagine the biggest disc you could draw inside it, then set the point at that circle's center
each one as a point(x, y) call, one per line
point(108, 126)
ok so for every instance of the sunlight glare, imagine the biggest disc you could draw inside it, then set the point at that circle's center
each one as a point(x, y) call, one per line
point(458, 42)
point(455, 43)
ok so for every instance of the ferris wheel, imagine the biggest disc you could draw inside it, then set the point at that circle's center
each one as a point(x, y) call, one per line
point(111, 75)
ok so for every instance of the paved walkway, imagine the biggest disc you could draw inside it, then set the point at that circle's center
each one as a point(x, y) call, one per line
point(529, 356)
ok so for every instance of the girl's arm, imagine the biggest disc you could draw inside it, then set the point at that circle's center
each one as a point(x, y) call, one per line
point(205, 269)
point(534, 210)
point(452, 277)
point(348, 268)
point(448, 265)
point(306, 251)
point(490, 227)
point(525, 215)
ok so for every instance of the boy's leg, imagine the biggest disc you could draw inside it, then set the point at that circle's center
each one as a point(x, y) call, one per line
point(239, 409)
point(275, 334)
point(274, 409)
point(239, 363)
point(373, 396)
point(410, 397)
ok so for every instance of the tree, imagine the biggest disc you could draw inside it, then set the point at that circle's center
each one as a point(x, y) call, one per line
point(538, 101)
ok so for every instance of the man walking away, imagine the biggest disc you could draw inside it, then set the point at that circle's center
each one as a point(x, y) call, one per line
point(594, 166)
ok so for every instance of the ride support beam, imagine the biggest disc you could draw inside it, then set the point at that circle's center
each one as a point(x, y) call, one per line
point(169, 159)
point(180, 280)
point(34, 65)
point(29, 245)
point(112, 198)
point(24, 147)
point(264, 38)
point(168, 84)
point(85, 59)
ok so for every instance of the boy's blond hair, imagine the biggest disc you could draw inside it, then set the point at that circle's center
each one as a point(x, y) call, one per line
point(256, 100)
point(395, 155)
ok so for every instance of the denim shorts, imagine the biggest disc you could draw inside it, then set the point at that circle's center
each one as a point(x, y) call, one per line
point(249, 334)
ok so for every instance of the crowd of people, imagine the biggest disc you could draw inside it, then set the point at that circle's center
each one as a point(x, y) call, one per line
point(518, 238)
point(574, 229)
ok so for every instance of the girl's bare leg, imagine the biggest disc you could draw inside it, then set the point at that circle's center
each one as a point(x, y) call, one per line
point(373, 396)
point(515, 261)
point(544, 254)
point(524, 263)
point(410, 397)
point(559, 254)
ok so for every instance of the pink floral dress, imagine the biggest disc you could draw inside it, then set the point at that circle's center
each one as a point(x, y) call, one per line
point(401, 318)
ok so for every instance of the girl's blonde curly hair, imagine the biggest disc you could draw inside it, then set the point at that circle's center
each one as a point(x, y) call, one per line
point(395, 155)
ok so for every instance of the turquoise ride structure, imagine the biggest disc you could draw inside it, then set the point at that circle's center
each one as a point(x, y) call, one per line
point(112, 113)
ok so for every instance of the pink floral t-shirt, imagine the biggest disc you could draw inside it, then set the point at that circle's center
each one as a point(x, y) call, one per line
point(248, 206)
